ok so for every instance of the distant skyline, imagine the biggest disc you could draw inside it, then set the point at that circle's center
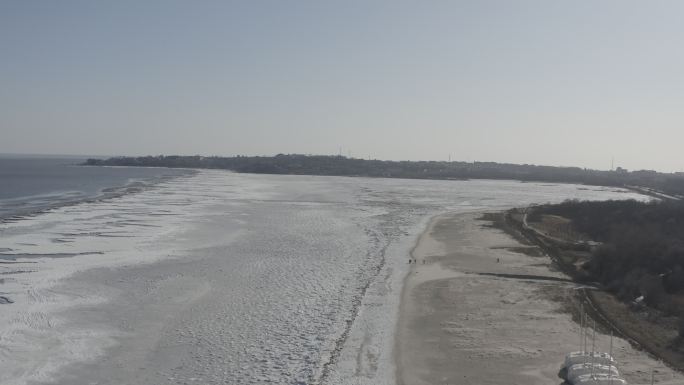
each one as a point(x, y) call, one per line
point(537, 82)
point(612, 167)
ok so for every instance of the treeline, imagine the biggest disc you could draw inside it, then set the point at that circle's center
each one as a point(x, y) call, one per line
point(346, 166)
point(641, 251)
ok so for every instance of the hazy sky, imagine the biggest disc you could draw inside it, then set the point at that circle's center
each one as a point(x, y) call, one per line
point(543, 82)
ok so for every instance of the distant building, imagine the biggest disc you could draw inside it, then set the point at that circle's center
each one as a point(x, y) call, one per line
point(646, 172)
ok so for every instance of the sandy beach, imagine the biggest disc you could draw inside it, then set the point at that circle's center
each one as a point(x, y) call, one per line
point(477, 310)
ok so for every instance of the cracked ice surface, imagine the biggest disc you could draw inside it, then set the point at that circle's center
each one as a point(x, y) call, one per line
point(222, 278)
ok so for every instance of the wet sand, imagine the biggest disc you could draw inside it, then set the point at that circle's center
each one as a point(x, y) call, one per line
point(467, 319)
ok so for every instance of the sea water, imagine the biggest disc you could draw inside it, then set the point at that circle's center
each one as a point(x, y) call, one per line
point(29, 184)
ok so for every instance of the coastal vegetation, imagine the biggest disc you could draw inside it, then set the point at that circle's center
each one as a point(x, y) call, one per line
point(668, 183)
point(635, 252)
point(640, 248)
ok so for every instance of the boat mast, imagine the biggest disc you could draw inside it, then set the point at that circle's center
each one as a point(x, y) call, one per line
point(610, 359)
point(581, 327)
point(593, 346)
point(586, 334)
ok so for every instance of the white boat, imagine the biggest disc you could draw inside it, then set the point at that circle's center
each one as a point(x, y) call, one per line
point(578, 370)
point(586, 367)
point(575, 358)
point(599, 379)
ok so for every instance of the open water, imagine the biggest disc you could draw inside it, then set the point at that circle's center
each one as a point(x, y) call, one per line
point(31, 184)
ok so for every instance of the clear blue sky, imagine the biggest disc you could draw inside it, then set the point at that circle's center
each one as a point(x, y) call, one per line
point(543, 82)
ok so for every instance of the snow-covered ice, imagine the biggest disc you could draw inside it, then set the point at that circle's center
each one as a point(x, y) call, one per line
point(218, 278)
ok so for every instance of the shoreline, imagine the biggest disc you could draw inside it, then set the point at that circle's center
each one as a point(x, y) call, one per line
point(465, 318)
point(396, 351)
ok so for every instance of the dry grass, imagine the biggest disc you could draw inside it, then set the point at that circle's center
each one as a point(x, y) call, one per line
point(653, 332)
point(557, 227)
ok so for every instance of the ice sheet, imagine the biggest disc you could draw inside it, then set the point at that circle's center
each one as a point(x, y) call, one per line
point(230, 278)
